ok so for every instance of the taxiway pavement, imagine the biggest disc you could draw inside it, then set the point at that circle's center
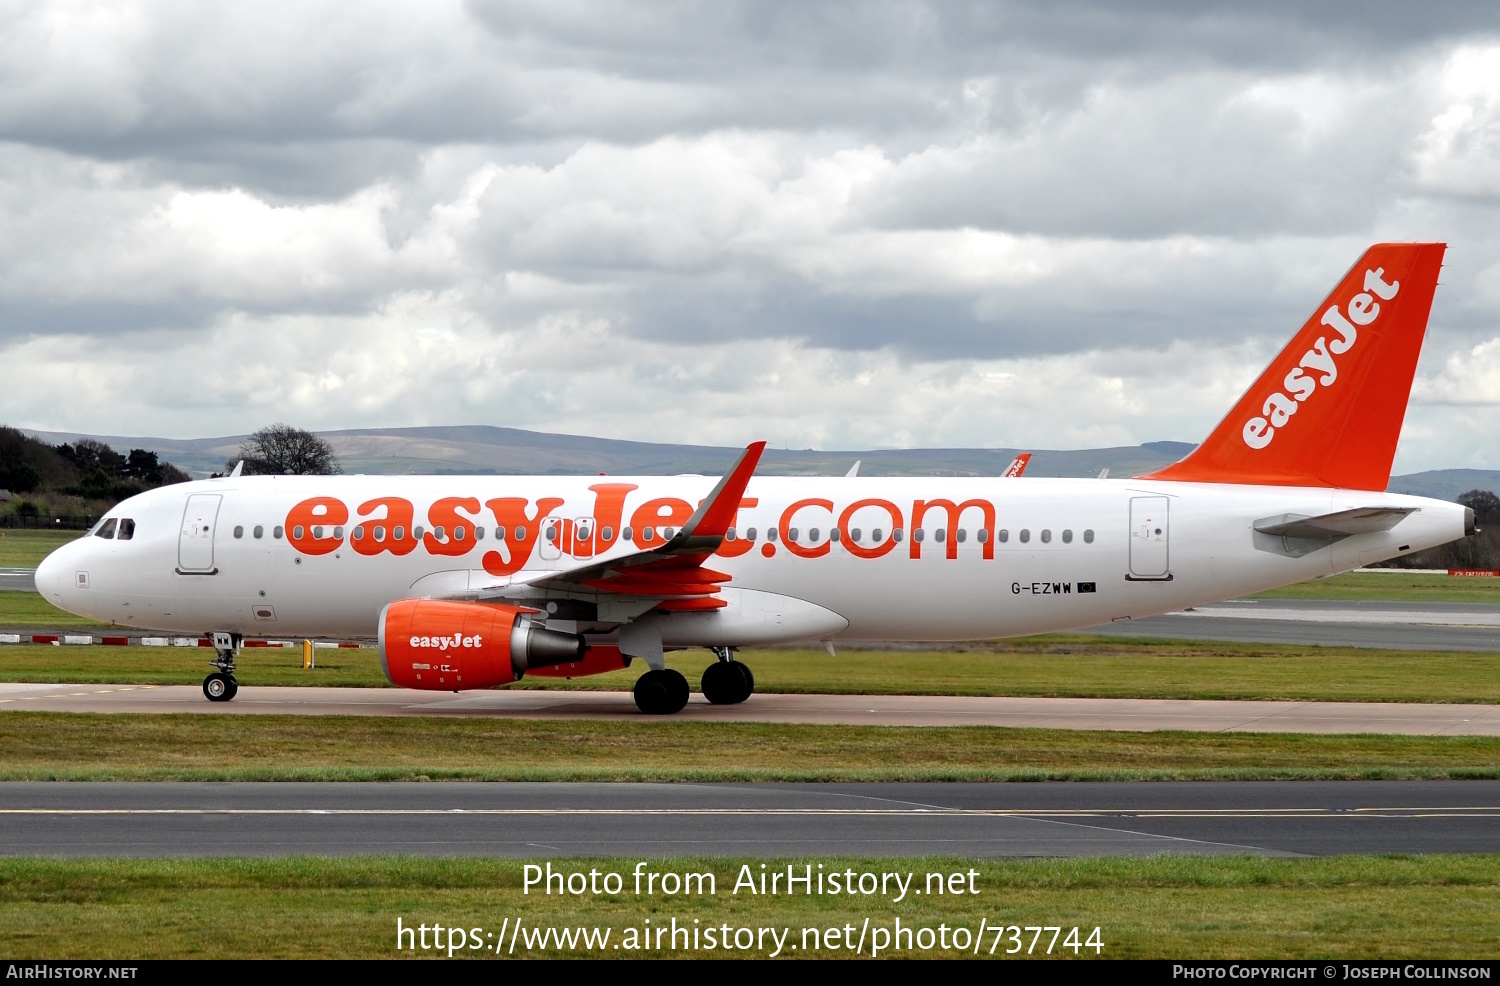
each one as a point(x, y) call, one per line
point(1394, 626)
point(652, 820)
point(1418, 719)
point(17, 580)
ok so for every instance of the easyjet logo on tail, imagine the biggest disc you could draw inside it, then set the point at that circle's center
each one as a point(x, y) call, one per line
point(1318, 366)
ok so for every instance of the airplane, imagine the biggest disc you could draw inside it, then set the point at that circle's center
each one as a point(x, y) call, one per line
point(473, 582)
point(1017, 466)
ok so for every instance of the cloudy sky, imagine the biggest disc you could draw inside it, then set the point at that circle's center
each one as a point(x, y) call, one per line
point(833, 225)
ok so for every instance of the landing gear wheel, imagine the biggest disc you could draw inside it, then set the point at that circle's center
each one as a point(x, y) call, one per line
point(220, 687)
point(727, 683)
point(749, 678)
point(661, 693)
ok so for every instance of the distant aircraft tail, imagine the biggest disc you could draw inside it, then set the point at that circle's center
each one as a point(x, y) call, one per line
point(1017, 466)
point(1328, 410)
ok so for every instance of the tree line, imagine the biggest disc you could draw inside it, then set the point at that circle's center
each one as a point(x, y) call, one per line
point(76, 482)
point(86, 469)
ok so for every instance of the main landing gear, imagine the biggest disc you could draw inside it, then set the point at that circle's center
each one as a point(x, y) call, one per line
point(221, 686)
point(727, 681)
point(663, 691)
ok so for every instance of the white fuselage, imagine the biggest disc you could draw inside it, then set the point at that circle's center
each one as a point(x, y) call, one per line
point(194, 563)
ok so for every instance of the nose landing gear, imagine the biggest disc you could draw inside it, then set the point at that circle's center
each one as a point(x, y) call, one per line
point(221, 686)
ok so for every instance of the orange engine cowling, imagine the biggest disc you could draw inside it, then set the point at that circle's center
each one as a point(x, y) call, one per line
point(449, 646)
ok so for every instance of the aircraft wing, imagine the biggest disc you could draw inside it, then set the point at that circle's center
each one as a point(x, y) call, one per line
point(672, 574)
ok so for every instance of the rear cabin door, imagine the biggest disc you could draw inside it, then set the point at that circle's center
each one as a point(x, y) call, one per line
point(1149, 535)
point(195, 545)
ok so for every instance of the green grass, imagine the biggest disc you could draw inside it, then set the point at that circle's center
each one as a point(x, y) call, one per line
point(1161, 907)
point(76, 747)
point(1053, 665)
point(1392, 588)
point(27, 548)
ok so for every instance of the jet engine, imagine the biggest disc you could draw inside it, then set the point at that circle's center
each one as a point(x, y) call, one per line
point(450, 646)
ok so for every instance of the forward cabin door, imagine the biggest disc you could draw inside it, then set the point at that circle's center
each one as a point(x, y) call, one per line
point(195, 545)
point(1150, 532)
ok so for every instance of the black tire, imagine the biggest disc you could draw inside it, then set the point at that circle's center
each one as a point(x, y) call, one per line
point(661, 693)
point(749, 677)
point(722, 683)
point(219, 687)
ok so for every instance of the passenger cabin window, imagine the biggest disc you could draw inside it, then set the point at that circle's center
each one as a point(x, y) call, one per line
point(750, 534)
point(107, 530)
point(608, 533)
point(127, 529)
point(941, 536)
point(398, 533)
point(919, 535)
point(239, 531)
point(1046, 536)
point(854, 533)
point(258, 533)
point(1088, 537)
point(729, 534)
point(963, 535)
point(982, 535)
point(1003, 535)
point(276, 532)
point(1067, 537)
point(1025, 535)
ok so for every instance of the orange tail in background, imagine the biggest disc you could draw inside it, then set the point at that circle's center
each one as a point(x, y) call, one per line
point(1328, 410)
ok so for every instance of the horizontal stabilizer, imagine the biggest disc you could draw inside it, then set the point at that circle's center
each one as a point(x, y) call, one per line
point(1332, 527)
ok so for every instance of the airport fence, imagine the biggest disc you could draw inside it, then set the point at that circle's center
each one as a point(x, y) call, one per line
point(58, 522)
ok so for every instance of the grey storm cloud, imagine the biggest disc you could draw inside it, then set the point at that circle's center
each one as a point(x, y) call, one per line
point(766, 188)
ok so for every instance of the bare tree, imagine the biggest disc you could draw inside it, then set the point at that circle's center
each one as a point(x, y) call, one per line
point(281, 450)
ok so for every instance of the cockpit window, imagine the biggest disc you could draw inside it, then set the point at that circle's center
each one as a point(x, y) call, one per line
point(127, 529)
point(106, 530)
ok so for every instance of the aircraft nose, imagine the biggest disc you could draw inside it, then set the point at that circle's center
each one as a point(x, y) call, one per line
point(52, 577)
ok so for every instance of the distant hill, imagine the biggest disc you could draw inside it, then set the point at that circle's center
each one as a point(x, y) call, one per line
point(1446, 484)
point(485, 449)
point(510, 451)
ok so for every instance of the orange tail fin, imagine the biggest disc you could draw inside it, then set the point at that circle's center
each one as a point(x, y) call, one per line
point(1328, 410)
